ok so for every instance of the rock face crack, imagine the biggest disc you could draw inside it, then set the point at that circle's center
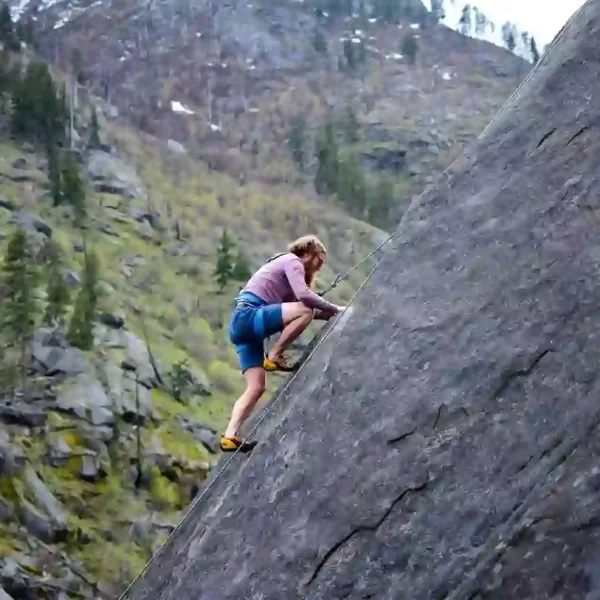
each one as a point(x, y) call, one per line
point(360, 529)
point(545, 137)
point(509, 377)
point(574, 137)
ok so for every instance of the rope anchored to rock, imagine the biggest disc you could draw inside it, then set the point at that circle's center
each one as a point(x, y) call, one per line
point(205, 491)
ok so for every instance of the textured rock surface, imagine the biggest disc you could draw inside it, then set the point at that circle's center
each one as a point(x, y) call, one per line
point(445, 443)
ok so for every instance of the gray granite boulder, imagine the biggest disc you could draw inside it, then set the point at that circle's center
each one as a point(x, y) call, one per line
point(444, 441)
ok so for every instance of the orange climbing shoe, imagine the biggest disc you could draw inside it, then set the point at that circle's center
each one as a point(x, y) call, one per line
point(279, 364)
point(235, 443)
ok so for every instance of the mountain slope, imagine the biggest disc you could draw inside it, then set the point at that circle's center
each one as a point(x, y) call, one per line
point(234, 76)
point(69, 475)
point(464, 462)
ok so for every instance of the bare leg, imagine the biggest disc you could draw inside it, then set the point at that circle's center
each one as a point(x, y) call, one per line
point(296, 318)
point(255, 387)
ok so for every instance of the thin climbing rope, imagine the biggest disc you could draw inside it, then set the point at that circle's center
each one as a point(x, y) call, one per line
point(199, 498)
point(341, 278)
point(337, 280)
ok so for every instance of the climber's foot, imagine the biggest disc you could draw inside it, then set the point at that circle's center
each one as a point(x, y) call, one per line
point(279, 363)
point(235, 443)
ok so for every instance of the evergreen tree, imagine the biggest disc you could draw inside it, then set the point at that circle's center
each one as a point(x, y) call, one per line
point(465, 23)
point(438, 13)
point(381, 202)
point(327, 157)
point(38, 111)
point(320, 41)
point(8, 36)
point(410, 47)
point(57, 291)
point(350, 185)
point(54, 175)
point(241, 270)
point(4, 75)
point(27, 34)
point(351, 126)
point(77, 66)
point(94, 130)
point(297, 140)
point(349, 54)
point(481, 22)
point(80, 332)
point(535, 55)
point(223, 272)
point(73, 190)
point(509, 36)
point(19, 307)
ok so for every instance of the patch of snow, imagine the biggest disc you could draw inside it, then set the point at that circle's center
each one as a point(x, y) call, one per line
point(373, 20)
point(198, 34)
point(415, 26)
point(177, 107)
point(122, 59)
point(394, 56)
point(224, 65)
point(325, 14)
point(251, 67)
point(64, 19)
point(18, 10)
point(215, 127)
point(446, 76)
point(358, 32)
point(356, 40)
point(253, 110)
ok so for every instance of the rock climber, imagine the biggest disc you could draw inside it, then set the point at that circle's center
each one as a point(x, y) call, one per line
point(279, 297)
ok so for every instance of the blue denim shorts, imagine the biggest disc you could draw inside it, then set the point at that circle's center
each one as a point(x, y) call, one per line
point(250, 325)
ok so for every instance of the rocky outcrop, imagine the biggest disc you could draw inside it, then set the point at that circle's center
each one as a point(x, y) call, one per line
point(443, 444)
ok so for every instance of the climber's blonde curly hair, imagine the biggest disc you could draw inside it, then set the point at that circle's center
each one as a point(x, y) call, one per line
point(307, 244)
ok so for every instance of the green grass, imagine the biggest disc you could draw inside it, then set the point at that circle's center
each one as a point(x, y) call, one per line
point(184, 318)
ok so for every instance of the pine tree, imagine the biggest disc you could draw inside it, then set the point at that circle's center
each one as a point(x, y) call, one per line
point(350, 185)
point(410, 47)
point(509, 36)
point(57, 291)
point(54, 175)
point(8, 36)
point(348, 47)
point(327, 156)
point(38, 111)
point(94, 130)
point(351, 126)
point(19, 306)
point(223, 272)
point(77, 66)
point(241, 270)
point(381, 202)
point(28, 32)
point(80, 332)
point(465, 23)
point(535, 55)
point(438, 13)
point(297, 140)
point(320, 41)
point(73, 190)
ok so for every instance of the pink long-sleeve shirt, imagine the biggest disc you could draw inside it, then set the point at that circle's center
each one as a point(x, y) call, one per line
point(283, 280)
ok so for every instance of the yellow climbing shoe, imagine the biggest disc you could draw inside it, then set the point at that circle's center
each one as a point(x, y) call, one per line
point(279, 364)
point(235, 443)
